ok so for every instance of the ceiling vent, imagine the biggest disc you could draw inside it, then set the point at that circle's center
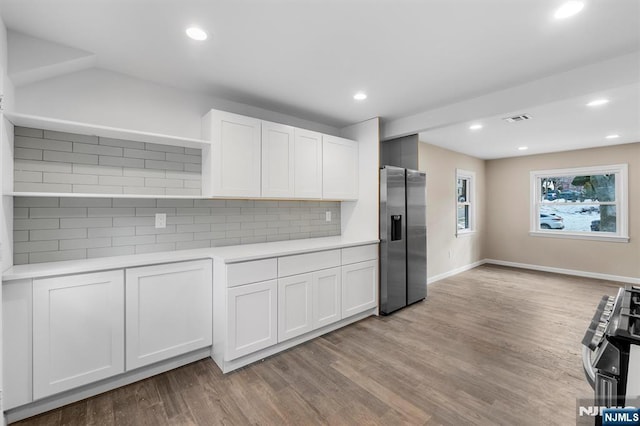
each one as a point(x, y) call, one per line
point(516, 118)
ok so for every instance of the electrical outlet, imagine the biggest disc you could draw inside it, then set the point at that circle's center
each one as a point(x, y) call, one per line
point(327, 216)
point(161, 220)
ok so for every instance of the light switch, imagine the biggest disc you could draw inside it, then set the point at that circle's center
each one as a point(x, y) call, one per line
point(327, 216)
point(161, 220)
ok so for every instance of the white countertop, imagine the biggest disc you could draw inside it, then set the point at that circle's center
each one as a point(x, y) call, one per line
point(228, 254)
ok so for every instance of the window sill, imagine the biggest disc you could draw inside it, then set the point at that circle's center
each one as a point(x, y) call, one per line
point(571, 236)
point(465, 233)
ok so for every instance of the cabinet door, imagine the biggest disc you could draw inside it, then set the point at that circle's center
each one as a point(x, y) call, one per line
point(277, 160)
point(17, 352)
point(252, 318)
point(307, 164)
point(294, 306)
point(234, 156)
point(168, 311)
point(339, 168)
point(78, 330)
point(327, 296)
point(359, 287)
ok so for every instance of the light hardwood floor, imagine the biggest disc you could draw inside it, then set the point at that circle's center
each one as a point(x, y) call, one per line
point(491, 346)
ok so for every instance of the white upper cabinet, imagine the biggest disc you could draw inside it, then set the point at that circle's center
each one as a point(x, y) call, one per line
point(277, 160)
point(251, 158)
point(307, 164)
point(339, 168)
point(231, 166)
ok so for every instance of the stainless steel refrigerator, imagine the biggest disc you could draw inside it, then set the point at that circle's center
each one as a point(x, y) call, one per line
point(403, 238)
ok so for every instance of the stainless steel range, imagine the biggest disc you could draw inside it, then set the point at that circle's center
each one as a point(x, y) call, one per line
point(611, 350)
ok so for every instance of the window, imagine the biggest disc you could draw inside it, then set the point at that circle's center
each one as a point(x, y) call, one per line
point(586, 202)
point(465, 202)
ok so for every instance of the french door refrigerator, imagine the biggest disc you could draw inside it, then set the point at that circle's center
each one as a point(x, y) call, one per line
point(403, 238)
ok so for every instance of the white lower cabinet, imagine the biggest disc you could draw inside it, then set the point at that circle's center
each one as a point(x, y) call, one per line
point(299, 297)
point(252, 318)
point(359, 287)
point(17, 366)
point(168, 311)
point(327, 297)
point(78, 330)
point(295, 306)
point(307, 302)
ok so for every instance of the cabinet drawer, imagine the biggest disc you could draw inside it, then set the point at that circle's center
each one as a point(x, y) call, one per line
point(359, 254)
point(251, 272)
point(301, 263)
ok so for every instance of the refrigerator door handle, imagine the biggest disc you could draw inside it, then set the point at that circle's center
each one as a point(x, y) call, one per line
point(396, 227)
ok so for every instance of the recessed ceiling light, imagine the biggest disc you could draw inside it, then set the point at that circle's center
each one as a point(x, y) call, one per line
point(612, 136)
point(360, 96)
point(523, 148)
point(196, 34)
point(568, 9)
point(598, 102)
point(475, 127)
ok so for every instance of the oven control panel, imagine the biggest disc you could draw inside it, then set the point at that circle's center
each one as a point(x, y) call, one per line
point(599, 323)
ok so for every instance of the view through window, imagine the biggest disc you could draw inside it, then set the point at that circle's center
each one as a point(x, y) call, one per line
point(465, 199)
point(581, 201)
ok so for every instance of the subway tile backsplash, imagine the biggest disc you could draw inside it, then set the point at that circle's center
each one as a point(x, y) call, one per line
point(47, 161)
point(52, 229)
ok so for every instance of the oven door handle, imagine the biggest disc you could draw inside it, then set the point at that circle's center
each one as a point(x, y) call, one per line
point(589, 372)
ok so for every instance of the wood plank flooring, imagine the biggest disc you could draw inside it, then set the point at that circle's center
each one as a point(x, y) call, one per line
point(491, 346)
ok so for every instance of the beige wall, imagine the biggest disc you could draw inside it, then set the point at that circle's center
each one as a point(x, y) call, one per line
point(445, 251)
point(508, 206)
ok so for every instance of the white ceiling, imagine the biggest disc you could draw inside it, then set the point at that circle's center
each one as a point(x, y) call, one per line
point(557, 126)
point(308, 57)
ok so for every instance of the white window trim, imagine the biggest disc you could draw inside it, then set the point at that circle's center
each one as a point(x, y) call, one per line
point(466, 174)
point(622, 201)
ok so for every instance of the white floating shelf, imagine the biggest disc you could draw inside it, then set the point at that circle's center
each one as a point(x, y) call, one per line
point(87, 195)
point(58, 125)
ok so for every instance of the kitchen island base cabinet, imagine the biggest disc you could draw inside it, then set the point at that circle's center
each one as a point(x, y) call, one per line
point(265, 305)
point(252, 313)
point(294, 306)
point(327, 297)
point(168, 311)
point(78, 330)
point(359, 287)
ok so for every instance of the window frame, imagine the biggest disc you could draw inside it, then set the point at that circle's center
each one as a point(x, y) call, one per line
point(621, 203)
point(470, 176)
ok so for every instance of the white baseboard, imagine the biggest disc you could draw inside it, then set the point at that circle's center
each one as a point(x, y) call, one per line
point(577, 273)
point(574, 272)
point(453, 272)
